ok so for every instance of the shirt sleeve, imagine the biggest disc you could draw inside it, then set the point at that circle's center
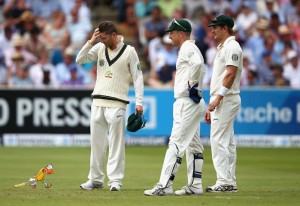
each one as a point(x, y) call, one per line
point(137, 77)
point(194, 62)
point(88, 53)
point(233, 57)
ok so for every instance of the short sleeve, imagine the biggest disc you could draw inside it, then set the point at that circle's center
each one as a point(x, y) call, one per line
point(233, 57)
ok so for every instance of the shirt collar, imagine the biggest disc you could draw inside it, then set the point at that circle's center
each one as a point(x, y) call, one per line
point(120, 45)
point(190, 40)
point(226, 42)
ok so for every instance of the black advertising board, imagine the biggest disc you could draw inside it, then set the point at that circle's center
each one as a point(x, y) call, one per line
point(45, 111)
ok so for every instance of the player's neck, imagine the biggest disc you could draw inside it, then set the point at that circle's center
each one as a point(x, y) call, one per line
point(115, 44)
point(226, 36)
point(182, 41)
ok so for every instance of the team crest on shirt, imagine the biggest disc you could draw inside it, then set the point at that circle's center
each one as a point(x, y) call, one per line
point(139, 67)
point(190, 54)
point(101, 62)
point(108, 74)
point(234, 57)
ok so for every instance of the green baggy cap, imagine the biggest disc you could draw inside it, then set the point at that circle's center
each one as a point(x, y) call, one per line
point(222, 20)
point(180, 25)
point(135, 122)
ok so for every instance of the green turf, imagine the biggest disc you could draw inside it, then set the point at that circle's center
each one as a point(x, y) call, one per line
point(265, 177)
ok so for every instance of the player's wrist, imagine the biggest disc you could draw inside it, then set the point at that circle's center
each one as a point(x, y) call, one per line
point(223, 91)
point(90, 42)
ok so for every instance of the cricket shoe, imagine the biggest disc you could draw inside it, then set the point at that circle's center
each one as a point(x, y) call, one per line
point(158, 190)
point(115, 187)
point(89, 185)
point(189, 190)
point(222, 188)
point(234, 188)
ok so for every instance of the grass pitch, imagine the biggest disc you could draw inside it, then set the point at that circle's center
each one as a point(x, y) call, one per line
point(266, 176)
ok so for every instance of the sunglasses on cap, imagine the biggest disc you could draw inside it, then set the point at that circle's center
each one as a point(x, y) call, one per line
point(176, 22)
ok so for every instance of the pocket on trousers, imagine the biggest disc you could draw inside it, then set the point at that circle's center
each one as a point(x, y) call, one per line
point(119, 116)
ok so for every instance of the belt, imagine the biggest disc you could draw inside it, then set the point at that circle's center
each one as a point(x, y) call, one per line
point(98, 96)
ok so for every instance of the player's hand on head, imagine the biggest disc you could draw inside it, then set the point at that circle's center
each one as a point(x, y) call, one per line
point(95, 36)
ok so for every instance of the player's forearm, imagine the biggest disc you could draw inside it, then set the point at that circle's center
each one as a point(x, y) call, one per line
point(228, 81)
point(84, 55)
point(139, 89)
point(229, 78)
point(137, 77)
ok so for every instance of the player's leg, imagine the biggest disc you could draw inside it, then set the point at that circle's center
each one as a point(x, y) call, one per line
point(170, 166)
point(194, 158)
point(232, 152)
point(99, 132)
point(172, 160)
point(232, 162)
point(182, 134)
point(221, 132)
point(186, 125)
point(194, 161)
point(116, 140)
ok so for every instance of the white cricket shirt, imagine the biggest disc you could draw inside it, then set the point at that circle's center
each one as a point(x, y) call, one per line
point(114, 77)
point(229, 53)
point(189, 68)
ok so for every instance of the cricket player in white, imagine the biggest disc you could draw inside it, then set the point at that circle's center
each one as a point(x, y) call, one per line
point(117, 65)
point(188, 109)
point(224, 103)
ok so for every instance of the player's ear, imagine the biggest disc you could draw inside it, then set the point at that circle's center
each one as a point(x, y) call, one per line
point(114, 34)
point(226, 28)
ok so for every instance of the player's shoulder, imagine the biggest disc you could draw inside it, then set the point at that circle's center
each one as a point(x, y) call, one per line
point(233, 45)
point(188, 43)
point(189, 46)
point(233, 42)
point(99, 45)
point(129, 47)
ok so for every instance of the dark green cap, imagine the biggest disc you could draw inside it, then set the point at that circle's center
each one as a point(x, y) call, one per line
point(180, 25)
point(222, 20)
point(135, 122)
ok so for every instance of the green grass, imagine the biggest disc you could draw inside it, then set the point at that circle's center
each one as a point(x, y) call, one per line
point(265, 177)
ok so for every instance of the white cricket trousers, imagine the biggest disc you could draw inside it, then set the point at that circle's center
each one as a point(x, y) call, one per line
point(107, 128)
point(222, 141)
point(185, 137)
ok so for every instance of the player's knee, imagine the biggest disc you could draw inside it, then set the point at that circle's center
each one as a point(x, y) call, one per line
point(174, 148)
point(198, 156)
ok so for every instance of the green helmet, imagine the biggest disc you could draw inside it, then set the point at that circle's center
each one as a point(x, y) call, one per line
point(135, 122)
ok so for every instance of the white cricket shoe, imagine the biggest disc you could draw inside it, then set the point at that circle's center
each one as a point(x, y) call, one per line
point(115, 187)
point(234, 188)
point(189, 190)
point(158, 190)
point(222, 188)
point(89, 185)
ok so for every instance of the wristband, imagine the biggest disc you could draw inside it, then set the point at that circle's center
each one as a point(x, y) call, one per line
point(223, 91)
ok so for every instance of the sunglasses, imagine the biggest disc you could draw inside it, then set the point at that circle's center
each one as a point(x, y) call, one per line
point(176, 22)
